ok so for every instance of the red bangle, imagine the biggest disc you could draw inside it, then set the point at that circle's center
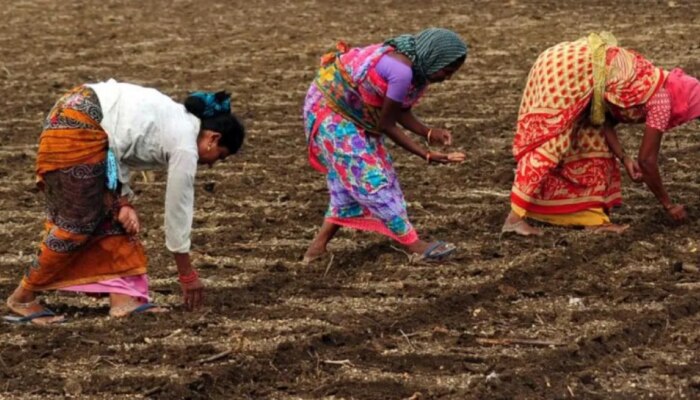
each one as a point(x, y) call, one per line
point(189, 278)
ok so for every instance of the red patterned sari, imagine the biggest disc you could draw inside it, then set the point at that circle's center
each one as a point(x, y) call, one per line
point(564, 165)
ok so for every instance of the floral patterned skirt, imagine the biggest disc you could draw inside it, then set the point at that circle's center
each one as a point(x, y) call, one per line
point(364, 189)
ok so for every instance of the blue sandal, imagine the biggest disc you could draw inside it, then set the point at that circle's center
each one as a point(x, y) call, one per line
point(431, 254)
point(143, 308)
point(14, 319)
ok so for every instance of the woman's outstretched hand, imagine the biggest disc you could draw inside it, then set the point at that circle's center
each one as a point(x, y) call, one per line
point(129, 220)
point(632, 168)
point(677, 212)
point(192, 287)
point(442, 158)
point(440, 136)
point(192, 293)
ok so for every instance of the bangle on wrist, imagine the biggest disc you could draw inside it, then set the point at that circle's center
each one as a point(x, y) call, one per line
point(430, 131)
point(189, 278)
point(427, 157)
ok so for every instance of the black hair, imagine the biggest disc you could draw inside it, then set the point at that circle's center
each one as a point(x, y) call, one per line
point(225, 122)
point(456, 63)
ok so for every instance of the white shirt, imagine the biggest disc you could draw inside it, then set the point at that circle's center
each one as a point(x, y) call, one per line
point(149, 130)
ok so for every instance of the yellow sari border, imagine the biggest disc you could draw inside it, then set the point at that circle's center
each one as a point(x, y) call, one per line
point(579, 200)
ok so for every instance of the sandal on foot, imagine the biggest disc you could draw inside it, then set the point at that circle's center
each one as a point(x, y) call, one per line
point(141, 309)
point(434, 254)
point(16, 319)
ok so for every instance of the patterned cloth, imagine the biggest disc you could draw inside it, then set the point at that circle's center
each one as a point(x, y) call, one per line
point(658, 111)
point(341, 108)
point(584, 176)
point(353, 88)
point(84, 243)
point(564, 163)
point(383, 211)
point(135, 286)
point(429, 51)
point(211, 104)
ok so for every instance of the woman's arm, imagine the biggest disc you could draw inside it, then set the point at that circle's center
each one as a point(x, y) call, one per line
point(412, 123)
point(649, 164)
point(396, 69)
point(387, 123)
point(409, 121)
point(613, 141)
point(631, 166)
point(179, 206)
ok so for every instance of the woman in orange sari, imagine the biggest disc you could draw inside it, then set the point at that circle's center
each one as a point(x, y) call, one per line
point(91, 138)
point(566, 146)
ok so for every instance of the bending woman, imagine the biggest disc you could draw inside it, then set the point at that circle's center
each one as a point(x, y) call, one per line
point(357, 98)
point(566, 146)
point(91, 139)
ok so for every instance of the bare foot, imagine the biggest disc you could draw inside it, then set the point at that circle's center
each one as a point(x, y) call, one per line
point(608, 228)
point(314, 253)
point(33, 307)
point(318, 247)
point(122, 306)
point(518, 225)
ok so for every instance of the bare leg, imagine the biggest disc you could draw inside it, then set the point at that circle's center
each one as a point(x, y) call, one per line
point(23, 302)
point(122, 305)
point(514, 223)
point(318, 246)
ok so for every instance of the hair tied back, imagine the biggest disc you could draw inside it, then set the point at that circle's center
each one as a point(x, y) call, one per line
point(208, 104)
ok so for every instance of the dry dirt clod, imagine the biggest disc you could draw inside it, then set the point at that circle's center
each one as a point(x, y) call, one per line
point(72, 387)
point(691, 269)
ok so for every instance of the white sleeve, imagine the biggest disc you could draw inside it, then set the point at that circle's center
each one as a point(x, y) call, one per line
point(179, 200)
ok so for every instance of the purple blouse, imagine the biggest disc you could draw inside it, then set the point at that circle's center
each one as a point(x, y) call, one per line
point(398, 76)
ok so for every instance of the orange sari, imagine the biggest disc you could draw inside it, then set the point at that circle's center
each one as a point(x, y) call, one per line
point(83, 243)
point(564, 163)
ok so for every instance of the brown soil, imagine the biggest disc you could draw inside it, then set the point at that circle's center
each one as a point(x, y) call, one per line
point(623, 311)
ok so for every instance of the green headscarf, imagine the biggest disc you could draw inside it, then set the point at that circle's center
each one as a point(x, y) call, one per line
point(430, 51)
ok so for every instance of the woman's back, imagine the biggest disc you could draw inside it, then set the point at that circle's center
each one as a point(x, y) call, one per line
point(145, 127)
